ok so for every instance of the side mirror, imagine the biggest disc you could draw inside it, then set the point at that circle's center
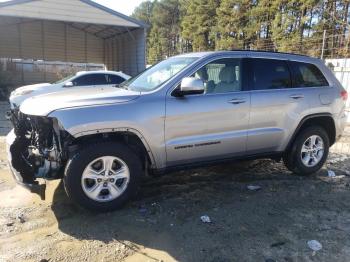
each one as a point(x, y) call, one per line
point(68, 84)
point(190, 86)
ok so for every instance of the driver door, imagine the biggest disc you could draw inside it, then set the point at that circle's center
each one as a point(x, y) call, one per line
point(212, 125)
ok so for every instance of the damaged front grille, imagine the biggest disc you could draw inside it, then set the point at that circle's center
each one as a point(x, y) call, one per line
point(36, 151)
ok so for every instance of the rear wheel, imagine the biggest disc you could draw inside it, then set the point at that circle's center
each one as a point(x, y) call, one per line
point(308, 152)
point(103, 177)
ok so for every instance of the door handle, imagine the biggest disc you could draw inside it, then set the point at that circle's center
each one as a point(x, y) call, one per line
point(297, 96)
point(236, 101)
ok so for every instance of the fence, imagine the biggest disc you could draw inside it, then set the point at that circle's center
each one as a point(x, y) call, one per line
point(341, 69)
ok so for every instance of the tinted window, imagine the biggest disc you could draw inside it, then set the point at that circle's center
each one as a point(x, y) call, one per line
point(307, 75)
point(221, 76)
point(93, 79)
point(270, 74)
point(114, 79)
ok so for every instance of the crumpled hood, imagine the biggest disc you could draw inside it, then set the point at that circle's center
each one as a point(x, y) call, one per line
point(42, 105)
point(31, 87)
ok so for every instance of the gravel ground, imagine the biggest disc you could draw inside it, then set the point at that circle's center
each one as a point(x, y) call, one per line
point(164, 222)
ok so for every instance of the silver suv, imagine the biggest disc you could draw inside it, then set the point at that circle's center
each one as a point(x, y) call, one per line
point(189, 110)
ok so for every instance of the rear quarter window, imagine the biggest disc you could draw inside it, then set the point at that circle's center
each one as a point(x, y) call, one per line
point(307, 75)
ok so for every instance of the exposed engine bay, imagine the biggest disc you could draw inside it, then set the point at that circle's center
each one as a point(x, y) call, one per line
point(37, 151)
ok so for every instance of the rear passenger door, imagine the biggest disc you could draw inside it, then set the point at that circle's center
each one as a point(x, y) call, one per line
point(276, 107)
point(309, 79)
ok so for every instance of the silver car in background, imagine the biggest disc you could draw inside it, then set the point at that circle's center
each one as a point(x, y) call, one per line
point(189, 110)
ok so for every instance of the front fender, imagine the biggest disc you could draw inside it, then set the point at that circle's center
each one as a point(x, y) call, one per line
point(148, 125)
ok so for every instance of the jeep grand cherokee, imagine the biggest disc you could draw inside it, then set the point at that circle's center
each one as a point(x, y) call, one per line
point(189, 110)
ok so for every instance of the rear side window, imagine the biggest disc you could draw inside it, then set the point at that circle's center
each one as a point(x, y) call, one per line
point(307, 75)
point(114, 79)
point(93, 79)
point(270, 74)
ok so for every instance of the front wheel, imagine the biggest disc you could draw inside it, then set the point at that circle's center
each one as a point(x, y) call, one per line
point(308, 152)
point(102, 177)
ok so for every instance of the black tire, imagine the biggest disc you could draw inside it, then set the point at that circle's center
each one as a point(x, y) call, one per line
point(292, 158)
point(80, 160)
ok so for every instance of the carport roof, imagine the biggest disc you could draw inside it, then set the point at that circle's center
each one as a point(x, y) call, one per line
point(85, 15)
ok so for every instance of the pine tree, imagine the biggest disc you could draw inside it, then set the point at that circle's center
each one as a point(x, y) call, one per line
point(281, 25)
point(163, 40)
point(143, 12)
point(198, 23)
point(233, 24)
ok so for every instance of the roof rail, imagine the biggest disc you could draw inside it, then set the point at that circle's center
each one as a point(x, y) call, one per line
point(264, 51)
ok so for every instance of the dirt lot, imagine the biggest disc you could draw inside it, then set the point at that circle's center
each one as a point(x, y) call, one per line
point(164, 223)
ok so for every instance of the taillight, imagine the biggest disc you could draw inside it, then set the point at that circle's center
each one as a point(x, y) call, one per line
point(344, 95)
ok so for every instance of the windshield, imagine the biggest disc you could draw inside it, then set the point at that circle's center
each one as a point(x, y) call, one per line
point(63, 80)
point(156, 75)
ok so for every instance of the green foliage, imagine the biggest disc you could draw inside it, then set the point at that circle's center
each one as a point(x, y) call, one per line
point(163, 36)
point(281, 25)
point(233, 24)
point(198, 23)
point(144, 12)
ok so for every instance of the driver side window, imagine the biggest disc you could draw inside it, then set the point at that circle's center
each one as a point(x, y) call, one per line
point(221, 76)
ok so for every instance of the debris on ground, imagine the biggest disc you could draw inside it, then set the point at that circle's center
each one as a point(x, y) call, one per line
point(3, 164)
point(143, 210)
point(314, 245)
point(331, 173)
point(254, 187)
point(336, 158)
point(21, 219)
point(10, 224)
point(278, 244)
point(205, 219)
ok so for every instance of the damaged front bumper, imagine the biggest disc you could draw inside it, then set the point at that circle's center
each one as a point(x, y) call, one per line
point(34, 186)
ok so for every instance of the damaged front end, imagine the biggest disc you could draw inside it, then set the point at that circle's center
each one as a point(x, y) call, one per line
point(36, 148)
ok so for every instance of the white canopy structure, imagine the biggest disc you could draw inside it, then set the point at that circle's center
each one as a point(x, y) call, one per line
point(79, 31)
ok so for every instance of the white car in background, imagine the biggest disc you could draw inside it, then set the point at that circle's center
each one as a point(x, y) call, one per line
point(83, 79)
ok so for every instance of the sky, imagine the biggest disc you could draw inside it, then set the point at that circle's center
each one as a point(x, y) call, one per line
point(125, 7)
